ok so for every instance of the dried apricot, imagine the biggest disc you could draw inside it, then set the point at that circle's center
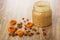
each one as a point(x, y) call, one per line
point(29, 25)
point(19, 32)
point(13, 22)
point(11, 29)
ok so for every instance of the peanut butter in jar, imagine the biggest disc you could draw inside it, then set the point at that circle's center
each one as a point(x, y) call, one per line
point(42, 14)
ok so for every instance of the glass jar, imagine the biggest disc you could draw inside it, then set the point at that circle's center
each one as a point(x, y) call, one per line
point(42, 14)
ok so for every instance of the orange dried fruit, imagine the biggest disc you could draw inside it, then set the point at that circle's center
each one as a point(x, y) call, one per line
point(13, 22)
point(29, 25)
point(11, 29)
point(20, 33)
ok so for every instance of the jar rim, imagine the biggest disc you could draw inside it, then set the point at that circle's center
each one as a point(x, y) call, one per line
point(41, 6)
point(42, 3)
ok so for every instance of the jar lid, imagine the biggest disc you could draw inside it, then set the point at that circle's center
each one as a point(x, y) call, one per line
point(41, 6)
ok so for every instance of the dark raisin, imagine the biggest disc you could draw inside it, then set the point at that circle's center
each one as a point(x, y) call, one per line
point(16, 29)
point(24, 21)
point(43, 29)
point(10, 34)
point(19, 25)
point(34, 29)
point(31, 34)
point(44, 33)
point(22, 18)
point(21, 36)
point(25, 28)
point(30, 28)
point(27, 31)
point(37, 33)
point(27, 19)
point(25, 34)
point(13, 34)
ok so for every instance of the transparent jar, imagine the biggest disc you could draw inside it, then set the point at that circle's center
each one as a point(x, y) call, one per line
point(42, 14)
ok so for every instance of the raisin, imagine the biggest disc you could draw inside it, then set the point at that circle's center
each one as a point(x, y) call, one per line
point(27, 31)
point(25, 34)
point(25, 28)
point(43, 29)
point(44, 33)
point(30, 34)
point(22, 18)
point(19, 25)
point(37, 33)
point(27, 19)
point(34, 29)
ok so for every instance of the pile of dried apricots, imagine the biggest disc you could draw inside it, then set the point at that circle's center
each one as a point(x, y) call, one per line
point(15, 29)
